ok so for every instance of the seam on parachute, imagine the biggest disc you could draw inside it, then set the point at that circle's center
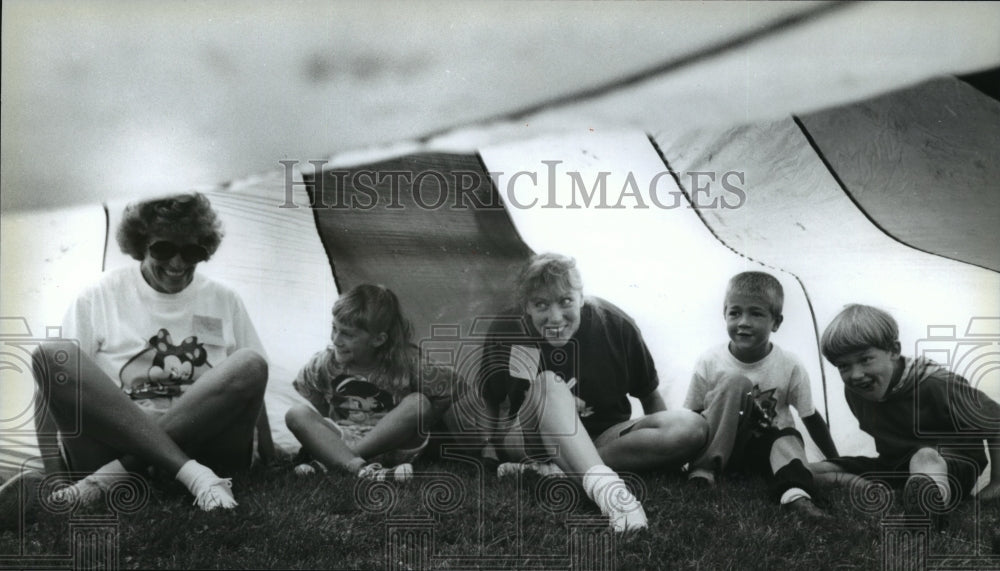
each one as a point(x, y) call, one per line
point(802, 286)
point(854, 201)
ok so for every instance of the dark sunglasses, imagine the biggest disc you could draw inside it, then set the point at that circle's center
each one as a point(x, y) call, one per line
point(190, 253)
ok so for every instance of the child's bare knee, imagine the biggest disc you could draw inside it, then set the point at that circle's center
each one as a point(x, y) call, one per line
point(926, 459)
point(731, 387)
point(298, 416)
point(419, 401)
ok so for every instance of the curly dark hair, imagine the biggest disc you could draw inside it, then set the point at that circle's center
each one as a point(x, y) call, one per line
point(190, 214)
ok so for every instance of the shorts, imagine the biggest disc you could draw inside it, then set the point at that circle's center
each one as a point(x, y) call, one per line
point(963, 473)
point(352, 433)
point(752, 451)
point(615, 431)
point(155, 407)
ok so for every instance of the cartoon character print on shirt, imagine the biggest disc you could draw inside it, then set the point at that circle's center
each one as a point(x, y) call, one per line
point(163, 369)
point(358, 401)
point(759, 409)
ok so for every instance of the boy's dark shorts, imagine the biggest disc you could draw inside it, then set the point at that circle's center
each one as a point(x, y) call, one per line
point(963, 472)
point(752, 451)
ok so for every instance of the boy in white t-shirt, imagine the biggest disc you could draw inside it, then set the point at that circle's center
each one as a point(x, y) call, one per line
point(743, 389)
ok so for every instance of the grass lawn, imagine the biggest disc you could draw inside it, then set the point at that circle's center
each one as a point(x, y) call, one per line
point(449, 517)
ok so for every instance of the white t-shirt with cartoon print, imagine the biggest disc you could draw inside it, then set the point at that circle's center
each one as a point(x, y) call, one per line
point(780, 379)
point(155, 344)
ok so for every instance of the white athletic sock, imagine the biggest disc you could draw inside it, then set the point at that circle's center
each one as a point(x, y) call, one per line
point(209, 490)
point(792, 494)
point(612, 496)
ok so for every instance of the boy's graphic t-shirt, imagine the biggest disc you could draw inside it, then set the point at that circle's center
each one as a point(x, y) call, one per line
point(779, 380)
point(155, 344)
point(364, 399)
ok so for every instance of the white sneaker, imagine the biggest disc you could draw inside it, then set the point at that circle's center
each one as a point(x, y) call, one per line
point(543, 469)
point(615, 500)
point(547, 469)
point(375, 471)
point(621, 507)
point(215, 493)
point(510, 469)
point(82, 493)
point(309, 468)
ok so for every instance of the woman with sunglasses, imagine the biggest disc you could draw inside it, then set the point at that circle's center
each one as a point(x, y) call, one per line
point(160, 366)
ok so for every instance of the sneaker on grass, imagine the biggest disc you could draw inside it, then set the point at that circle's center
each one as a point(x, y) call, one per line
point(922, 498)
point(699, 478)
point(543, 469)
point(82, 493)
point(310, 468)
point(209, 490)
point(376, 472)
point(614, 499)
point(215, 493)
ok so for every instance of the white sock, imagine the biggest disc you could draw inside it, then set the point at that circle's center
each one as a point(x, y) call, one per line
point(209, 490)
point(612, 496)
point(792, 494)
point(191, 472)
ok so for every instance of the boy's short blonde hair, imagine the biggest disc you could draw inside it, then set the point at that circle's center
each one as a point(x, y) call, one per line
point(856, 328)
point(549, 271)
point(757, 284)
